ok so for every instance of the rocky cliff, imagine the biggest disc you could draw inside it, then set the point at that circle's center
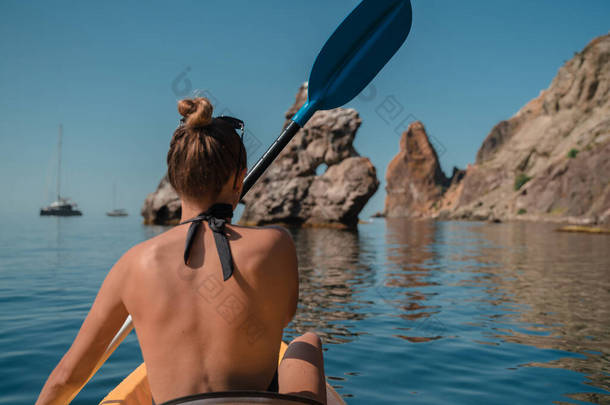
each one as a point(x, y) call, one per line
point(291, 192)
point(550, 161)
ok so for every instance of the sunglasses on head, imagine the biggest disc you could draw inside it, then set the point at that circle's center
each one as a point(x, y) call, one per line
point(236, 123)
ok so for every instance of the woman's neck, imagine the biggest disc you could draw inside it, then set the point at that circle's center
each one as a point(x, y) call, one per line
point(191, 209)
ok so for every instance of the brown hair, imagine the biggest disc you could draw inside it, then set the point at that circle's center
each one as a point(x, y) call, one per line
point(204, 152)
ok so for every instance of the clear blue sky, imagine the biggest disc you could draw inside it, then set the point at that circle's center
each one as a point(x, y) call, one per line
point(106, 70)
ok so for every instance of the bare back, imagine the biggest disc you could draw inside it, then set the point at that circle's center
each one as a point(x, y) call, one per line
point(199, 333)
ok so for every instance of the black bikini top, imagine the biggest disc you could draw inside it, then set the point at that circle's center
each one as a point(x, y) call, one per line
point(216, 216)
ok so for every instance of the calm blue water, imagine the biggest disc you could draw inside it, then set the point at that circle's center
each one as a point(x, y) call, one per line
point(410, 312)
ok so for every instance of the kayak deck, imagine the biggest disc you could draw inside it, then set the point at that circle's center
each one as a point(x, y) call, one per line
point(134, 390)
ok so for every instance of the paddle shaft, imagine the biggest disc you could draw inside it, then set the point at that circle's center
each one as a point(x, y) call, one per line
point(116, 341)
point(269, 156)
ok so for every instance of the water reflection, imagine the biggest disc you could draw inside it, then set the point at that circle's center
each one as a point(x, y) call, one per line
point(333, 268)
point(411, 258)
point(560, 284)
point(59, 242)
point(56, 240)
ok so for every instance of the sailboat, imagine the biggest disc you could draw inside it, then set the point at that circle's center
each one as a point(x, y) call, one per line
point(116, 212)
point(62, 207)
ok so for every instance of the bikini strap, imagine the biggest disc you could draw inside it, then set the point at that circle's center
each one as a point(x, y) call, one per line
point(216, 216)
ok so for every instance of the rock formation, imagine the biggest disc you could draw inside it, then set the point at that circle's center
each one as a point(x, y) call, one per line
point(550, 161)
point(291, 192)
point(414, 179)
point(162, 207)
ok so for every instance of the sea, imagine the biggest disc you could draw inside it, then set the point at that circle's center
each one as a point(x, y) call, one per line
point(410, 312)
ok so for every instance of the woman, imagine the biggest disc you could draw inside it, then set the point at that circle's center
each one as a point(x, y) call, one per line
point(208, 299)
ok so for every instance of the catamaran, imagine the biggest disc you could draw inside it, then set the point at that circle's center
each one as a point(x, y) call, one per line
point(62, 207)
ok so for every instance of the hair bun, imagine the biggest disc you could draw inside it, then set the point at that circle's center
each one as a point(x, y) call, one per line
point(197, 112)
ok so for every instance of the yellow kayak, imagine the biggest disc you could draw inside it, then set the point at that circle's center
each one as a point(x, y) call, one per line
point(134, 390)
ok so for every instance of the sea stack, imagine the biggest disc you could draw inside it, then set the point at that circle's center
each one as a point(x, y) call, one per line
point(415, 181)
point(293, 191)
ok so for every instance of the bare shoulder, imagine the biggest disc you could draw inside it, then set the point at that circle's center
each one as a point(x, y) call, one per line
point(269, 249)
point(266, 240)
point(272, 234)
point(271, 254)
point(147, 254)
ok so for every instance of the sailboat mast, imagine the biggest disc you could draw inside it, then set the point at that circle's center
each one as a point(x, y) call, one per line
point(113, 196)
point(59, 162)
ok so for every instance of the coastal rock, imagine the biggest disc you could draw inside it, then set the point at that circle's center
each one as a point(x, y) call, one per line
point(551, 161)
point(162, 207)
point(291, 192)
point(415, 181)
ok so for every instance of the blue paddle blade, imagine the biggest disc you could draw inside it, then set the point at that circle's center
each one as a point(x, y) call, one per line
point(354, 54)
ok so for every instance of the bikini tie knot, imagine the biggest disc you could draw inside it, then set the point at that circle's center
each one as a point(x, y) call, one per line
point(216, 217)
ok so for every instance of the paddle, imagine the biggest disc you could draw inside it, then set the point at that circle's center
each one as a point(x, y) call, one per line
point(352, 56)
